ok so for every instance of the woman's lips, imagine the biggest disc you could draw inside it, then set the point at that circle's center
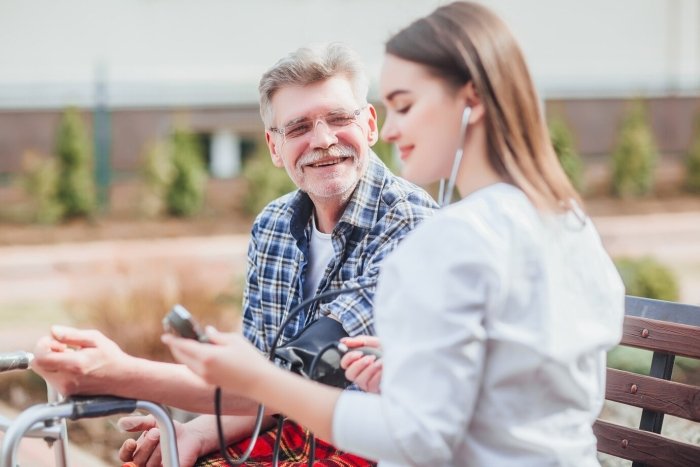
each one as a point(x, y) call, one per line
point(405, 151)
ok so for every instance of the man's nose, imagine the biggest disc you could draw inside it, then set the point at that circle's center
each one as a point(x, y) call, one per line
point(322, 136)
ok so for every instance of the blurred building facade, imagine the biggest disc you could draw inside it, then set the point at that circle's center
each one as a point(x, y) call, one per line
point(154, 64)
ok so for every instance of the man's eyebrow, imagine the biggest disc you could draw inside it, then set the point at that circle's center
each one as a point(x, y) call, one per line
point(304, 118)
point(296, 120)
point(395, 93)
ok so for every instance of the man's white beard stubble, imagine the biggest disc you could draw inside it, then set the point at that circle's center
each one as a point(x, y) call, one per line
point(339, 151)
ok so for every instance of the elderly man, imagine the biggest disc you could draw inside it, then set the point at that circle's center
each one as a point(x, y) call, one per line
point(333, 232)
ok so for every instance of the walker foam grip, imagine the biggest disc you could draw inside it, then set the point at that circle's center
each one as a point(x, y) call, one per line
point(15, 361)
point(99, 406)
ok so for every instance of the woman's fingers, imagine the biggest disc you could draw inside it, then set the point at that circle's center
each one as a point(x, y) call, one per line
point(355, 369)
point(366, 372)
point(375, 380)
point(360, 341)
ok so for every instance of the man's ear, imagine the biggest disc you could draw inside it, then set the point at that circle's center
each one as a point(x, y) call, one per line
point(274, 148)
point(373, 135)
point(469, 96)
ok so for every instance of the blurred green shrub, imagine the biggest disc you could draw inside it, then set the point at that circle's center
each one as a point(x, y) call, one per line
point(385, 151)
point(157, 174)
point(563, 143)
point(174, 175)
point(635, 155)
point(265, 181)
point(692, 160)
point(76, 188)
point(185, 195)
point(39, 179)
point(647, 277)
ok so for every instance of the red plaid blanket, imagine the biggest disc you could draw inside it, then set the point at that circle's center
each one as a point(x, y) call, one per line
point(294, 451)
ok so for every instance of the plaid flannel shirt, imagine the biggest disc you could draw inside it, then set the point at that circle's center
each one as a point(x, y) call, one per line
point(382, 210)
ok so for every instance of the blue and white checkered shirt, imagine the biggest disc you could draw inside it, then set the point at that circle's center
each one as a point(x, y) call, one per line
point(382, 210)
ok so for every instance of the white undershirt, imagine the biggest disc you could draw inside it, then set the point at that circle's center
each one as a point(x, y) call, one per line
point(320, 254)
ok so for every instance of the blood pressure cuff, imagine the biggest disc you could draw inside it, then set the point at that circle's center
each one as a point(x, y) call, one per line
point(299, 352)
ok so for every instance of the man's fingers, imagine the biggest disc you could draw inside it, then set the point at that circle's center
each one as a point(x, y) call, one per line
point(76, 337)
point(136, 423)
point(126, 452)
point(57, 361)
point(146, 446)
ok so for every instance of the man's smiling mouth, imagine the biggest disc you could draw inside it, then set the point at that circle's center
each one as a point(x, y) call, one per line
point(327, 162)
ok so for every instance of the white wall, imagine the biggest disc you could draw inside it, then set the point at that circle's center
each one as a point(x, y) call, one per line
point(213, 51)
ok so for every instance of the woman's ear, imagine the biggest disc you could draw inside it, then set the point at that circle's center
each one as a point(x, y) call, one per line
point(469, 96)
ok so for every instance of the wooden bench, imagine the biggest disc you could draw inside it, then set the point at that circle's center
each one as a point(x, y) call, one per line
point(667, 329)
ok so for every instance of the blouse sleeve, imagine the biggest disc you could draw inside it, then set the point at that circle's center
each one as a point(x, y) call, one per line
point(431, 302)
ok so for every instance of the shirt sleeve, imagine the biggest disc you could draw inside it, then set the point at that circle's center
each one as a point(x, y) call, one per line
point(253, 328)
point(431, 304)
point(356, 310)
point(373, 440)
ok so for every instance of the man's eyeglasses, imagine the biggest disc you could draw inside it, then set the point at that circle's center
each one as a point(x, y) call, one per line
point(333, 120)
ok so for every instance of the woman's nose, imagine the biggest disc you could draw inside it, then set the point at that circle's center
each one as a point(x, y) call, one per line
point(389, 131)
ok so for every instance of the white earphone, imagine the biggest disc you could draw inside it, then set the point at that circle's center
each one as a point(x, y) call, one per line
point(445, 194)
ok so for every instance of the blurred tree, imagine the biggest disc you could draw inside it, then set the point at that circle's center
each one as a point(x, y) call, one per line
point(634, 158)
point(692, 160)
point(40, 180)
point(563, 143)
point(265, 181)
point(385, 151)
point(157, 173)
point(76, 187)
point(174, 175)
point(185, 194)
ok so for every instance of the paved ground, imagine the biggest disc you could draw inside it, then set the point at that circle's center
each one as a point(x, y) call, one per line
point(71, 270)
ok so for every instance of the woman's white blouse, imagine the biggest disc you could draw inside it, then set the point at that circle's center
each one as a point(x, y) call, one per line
point(494, 321)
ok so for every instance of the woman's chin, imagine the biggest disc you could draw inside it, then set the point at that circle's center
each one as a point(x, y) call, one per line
point(417, 176)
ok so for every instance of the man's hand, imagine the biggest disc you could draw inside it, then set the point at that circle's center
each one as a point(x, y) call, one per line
point(78, 361)
point(145, 451)
point(363, 370)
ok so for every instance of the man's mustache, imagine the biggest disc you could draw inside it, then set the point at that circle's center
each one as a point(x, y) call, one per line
point(335, 151)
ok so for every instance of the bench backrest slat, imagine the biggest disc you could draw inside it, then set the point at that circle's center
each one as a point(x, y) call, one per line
point(640, 446)
point(677, 399)
point(662, 336)
point(667, 329)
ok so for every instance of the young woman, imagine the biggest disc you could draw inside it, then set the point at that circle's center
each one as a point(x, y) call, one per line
point(495, 315)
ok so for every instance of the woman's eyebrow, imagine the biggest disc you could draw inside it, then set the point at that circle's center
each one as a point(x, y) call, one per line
point(389, 97)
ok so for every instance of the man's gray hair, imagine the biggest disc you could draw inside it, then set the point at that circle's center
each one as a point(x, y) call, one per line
point(310, 65)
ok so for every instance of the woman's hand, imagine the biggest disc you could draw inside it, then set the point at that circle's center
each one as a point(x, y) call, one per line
point(363, 370)
point(228, 361)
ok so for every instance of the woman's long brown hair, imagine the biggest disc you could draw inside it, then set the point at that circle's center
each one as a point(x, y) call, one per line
point(465, 41)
